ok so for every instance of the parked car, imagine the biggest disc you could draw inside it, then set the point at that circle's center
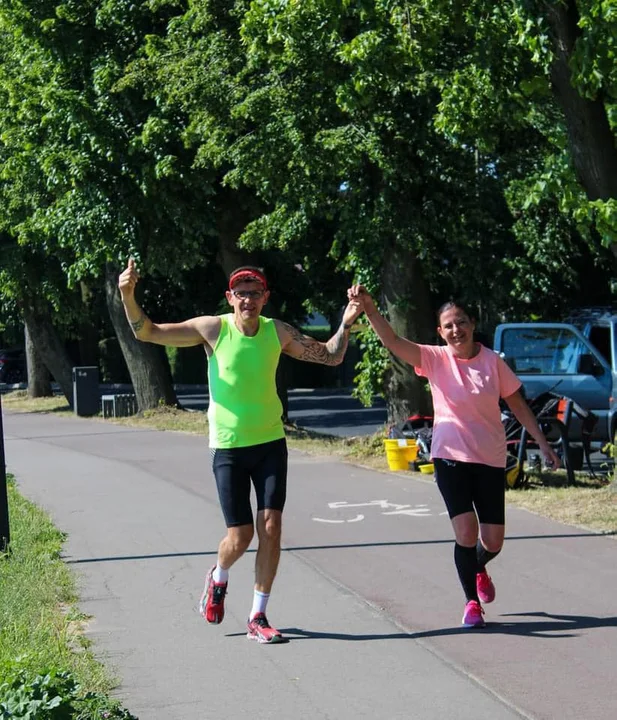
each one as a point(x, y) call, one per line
point(12, 366)
point(576, 358)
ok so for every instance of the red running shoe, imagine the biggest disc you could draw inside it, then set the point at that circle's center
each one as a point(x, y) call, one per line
point(260, 630)
point(212, 603)
point(473, 615)
point(485, 587)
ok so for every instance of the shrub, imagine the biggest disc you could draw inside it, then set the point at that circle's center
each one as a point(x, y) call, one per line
point(52, 695)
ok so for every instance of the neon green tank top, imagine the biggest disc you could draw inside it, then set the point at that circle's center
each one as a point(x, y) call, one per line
point(244, 407)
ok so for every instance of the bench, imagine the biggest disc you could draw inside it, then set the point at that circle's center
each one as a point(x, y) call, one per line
point(120, 405)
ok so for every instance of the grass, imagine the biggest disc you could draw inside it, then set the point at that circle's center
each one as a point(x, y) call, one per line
point(18, 401)
point(589, 503)
point(39, 621)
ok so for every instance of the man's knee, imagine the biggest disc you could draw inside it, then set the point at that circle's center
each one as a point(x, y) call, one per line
point(240, 537)
point(269, 525)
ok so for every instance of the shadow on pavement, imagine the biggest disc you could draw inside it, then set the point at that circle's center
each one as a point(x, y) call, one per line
point(554, 627)
point(341, 546)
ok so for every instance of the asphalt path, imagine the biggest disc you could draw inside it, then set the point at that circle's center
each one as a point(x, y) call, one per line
point(366, 592)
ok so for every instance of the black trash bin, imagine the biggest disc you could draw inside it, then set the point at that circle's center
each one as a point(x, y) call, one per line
point(86, 394)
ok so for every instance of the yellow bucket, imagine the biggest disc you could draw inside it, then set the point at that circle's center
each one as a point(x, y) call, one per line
point(400, 452)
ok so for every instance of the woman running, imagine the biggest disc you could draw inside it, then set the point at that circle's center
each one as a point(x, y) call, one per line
point(468, 449)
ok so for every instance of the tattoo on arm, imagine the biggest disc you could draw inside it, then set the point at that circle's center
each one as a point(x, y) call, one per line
point(138, 324)
point(337, 345)
point(330, 353)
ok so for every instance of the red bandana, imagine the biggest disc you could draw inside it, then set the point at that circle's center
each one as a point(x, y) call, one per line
point(248, 275)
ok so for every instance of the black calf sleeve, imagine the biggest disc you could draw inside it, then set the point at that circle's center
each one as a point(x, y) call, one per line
point(483, 555)
point(467, 568)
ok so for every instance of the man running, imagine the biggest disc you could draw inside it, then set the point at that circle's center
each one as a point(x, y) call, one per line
point(247, 437)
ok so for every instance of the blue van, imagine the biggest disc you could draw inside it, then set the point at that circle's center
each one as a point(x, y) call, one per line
point(576, 358)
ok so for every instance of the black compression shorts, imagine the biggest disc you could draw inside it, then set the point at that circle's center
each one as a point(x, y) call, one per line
point(466, 487)
point(234, 469)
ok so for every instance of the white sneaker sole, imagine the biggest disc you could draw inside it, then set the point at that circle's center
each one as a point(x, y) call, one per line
point(276, 640)
point(473, 625)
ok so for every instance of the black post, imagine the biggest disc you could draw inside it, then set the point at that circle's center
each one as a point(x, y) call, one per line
point(5, 533)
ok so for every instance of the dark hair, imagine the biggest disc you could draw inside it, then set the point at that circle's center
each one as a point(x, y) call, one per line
point(451, 305)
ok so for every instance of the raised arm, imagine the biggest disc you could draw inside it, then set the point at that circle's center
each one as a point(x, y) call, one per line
point(302, 347)
point(196, 331)
point(401, 347)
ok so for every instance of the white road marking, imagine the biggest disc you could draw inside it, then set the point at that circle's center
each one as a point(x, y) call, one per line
point(344, 504)
point(388, 508)
point(413, 512)
point(356, 519)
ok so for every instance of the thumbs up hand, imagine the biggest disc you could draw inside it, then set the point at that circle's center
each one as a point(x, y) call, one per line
point(128, 280)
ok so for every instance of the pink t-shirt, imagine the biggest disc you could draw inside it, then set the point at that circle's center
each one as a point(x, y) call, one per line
point(466, 393)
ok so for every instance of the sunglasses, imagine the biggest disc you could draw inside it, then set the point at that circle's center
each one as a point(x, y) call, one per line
point(248, 294)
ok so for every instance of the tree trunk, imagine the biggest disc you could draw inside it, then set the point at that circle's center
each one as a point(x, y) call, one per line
point(407, 301)
point(591, 140)
point(39, 383)
point(147, 363)
point(88, 331)
point(50, 347)
point(237, 209)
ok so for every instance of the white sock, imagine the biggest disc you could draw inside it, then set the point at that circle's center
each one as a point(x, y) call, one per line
point(260, 600)
point(220, 575)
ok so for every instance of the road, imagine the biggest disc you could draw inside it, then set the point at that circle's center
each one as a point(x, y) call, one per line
point(332, 412)
point(336, 412)
point(326, 411)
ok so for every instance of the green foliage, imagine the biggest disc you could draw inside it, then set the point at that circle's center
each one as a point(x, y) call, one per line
point(496, 94)
point(427, 126)
point(47, 671)
point(39, 697)
point(321, 136)
point(52, 695)
point(88, 175)
point(373, 367)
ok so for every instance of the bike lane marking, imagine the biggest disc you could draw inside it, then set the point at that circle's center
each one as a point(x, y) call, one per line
point(387, 508)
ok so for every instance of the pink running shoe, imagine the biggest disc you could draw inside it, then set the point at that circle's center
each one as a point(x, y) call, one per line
point(485, 587)
point(212, 603)
point(473, 615)
point(260, 630)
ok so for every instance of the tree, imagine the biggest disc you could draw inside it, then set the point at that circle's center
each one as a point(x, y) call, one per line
point(318, 109)
point(81, 183)
point(30, 282)
point(421, 148)
point(534, 87)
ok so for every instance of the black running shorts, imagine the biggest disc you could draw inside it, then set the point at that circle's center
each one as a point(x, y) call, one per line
point(234, 469)
point(466, 487)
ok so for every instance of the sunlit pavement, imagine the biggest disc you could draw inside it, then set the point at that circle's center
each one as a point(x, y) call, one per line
point(367, 592)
